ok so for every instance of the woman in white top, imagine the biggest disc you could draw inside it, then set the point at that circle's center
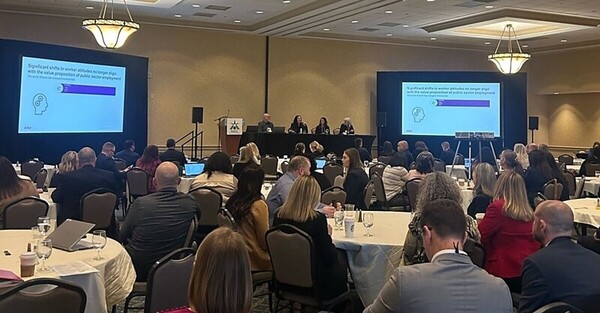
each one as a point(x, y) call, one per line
point(423, 165)
point(217, 175)
point(522, 156)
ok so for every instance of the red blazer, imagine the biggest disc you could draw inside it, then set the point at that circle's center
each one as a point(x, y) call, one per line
point(507, 241)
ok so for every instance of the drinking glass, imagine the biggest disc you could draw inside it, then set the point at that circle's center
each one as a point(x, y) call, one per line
point(43, 249)
point(44, 225)
point(338, 217)
point(99, 241)
point(367, 219)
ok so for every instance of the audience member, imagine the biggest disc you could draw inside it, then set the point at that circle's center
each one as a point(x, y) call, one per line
point(591, 242)
point(484, 179)
point(394, 178)
point(538, 174)
point(387, 149)
point(532, 147)
point(106, 161)
point(299, 166)
point(316, 149)
point(544, 147)
point(593, 159)
point(149, 162)
point(298, 126)
point(506, 230)
point(68, 163)
point(355, 180)
point(221, 281)
point(255, 152)
point(423, 165)
point(522, 154)
point(128, 153)
point(451, 282)
point(322, 180)
point(590, 150)
point(157, 223)
point(562, 271)
point(265, 126)
point(322, 128)
point(246, 159)
point(251, 215)
point(447, 154)
point(173, 155)
point(298, 210)
point(362, 152)
point(12, 188)
point(509, 162)
point(487, 156)
point(299, 149)
point(73, 185)
point(408, 156)
point(435, 185)
point(218, 175)
point(420, 146)
point(347, 128)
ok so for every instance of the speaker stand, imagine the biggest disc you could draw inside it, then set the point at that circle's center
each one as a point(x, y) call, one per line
point(532, 134)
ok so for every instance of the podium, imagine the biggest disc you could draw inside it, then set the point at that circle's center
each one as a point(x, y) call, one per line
point(230, 132)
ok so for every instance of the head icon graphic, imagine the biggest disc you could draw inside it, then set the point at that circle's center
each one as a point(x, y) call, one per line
point(40, 103)
point(418, 114)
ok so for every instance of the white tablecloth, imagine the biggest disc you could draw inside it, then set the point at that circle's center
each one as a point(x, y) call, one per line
point(591, 185)
point(372, 260)
point(52, 209)
point(50, 168)
point(109, 286)
point(584, 211)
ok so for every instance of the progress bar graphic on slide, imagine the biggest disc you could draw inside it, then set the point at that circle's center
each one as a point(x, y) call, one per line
point(87, 90)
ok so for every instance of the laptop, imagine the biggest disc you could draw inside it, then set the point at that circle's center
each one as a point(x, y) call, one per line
point(320, 163)
point(251, 128)
point(279, 129)
point(68, 235)
point(193, 169)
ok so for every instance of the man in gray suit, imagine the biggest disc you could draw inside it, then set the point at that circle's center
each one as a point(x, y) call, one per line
point(451, 282)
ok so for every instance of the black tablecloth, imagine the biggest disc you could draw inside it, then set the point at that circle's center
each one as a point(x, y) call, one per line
point(281, 144)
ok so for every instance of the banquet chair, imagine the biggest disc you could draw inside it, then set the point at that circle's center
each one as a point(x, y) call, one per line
point(331, 171)
point(476, 252)
point(566, 158)
point(284, 166)
point(336, 131)
point(210, 201)
point(189, 238)
point(591, 169)
point(137, 183)
point(439, 165)
point(338, 181)
point(384, 159)
point(234, 158)
point(571, 182)
point(382, 197)
point(333, 195)
point(558, 307)
point(579, 188)
point(377, 168)
point(368, 194)
point(269, 165)
point(412, 188)
point(62, 297)
point(225, 219)
point(294, 273)
point(24, 213)
point(31, 167)
point(98, 207)
point(120, 164)
point(553, 189)
point(459, 159)
point(167, 283)
point(40, 179)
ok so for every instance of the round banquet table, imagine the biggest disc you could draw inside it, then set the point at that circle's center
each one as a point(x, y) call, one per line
point(372, 260)
point(584, 211)
point(110, 285)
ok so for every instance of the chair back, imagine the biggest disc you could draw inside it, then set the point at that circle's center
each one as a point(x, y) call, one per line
point(377, 169)
point(137, 182)
point(97, 207)
point(368, 193)
point(269, 165)
point(459, 173)
point(333, 195)
point(566, 159)
point(120, 164)
point(579, 189)
point(476, 252)
point(459, 159)
point(338, 181)
point(210, 201)
point(35, 296)
point(412, 188)
point(234, 158)
point(558, 307)
point(571, 182)
point(379, 189)
point(284, 166)
point(439, 165)
point(31, 167)
point(292, 267)
point(553, 190)
point(189, 238)
point(40, 178)
point(331, 171)
point(384, 159)
point(591, 169)
point(224, 218)
point(336, 131)
point(24, 213)
point(168, 281)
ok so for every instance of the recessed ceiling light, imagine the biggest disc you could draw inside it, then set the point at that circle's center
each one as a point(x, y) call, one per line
point(237, 21)
point(489, 6)
point(389, 12)
point(430, 0)
point(196, 5)
point(259, 12)
point(326, 29)
point(525, 46)
point(563, 40)
point(287, 1)
point(406, 26)
point(354, 22)
point(557, 93)
point(487, 43)
point(177, 15)
point(388, 34)
point(89, 8)
point(433, 39)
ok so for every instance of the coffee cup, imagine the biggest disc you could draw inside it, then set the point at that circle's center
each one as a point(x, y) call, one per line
point(28, 260)
point(461, 182)
point(349, 207)
point(349, 227)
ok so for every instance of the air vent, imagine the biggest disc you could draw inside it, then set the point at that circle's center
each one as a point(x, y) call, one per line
point(368, 29)
point(389, 24)
point(217, 7)
point(202, 14)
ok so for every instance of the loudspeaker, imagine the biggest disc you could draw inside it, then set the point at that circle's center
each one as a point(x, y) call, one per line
point(197, 114)
point(381, 119)
point(534, 122)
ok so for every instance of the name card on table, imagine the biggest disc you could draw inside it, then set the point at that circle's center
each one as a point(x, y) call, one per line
point(234, 126)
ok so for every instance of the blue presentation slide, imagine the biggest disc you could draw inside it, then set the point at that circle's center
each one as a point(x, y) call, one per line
point(70, 97)
point(442, 109)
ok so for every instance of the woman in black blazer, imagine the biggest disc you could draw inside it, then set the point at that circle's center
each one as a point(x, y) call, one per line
point(356, 179)
point(322, 128)
point(298, 126)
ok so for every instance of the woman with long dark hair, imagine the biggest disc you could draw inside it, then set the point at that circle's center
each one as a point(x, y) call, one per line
point(218, 174)
point(356, 179)
point(387, 149)
point(149, 162)
point(251, 215)
point(539, 173)
point(298, 126)
point(322, 128)
point(12, 188)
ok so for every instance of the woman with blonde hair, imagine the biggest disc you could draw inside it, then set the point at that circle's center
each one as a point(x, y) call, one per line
point(506, 230)
point(316, 149)
point(246, 159)
point(221, 281)
point(509, 162)
point(68, 163)
point(484, 178)
point(299, 210)
point(435, 185)
point(522, 156)
point(255, 152)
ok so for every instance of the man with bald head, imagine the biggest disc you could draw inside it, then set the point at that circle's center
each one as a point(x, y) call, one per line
point(265, 126)
point(562, 271)
point(158, 223)
point(73, 185)
point(405, 152)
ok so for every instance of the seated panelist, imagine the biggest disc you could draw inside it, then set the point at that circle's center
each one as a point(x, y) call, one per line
point(298, 126)
point(347, 128)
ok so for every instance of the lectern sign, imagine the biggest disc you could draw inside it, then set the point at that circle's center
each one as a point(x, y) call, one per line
point(234, 126)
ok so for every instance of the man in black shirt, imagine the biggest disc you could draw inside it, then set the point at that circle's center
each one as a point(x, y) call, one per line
point(128, 153)
point(171, 154)
point(447, 154)
point(265, 126)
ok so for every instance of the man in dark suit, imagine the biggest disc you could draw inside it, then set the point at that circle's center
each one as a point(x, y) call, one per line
point(77, 183)
point(362, 152)
point(408, 157)
point(171, 154)
point(562, 271)
point(447, 154)
point(265, 126)
point(128, 153)
point(106, 160)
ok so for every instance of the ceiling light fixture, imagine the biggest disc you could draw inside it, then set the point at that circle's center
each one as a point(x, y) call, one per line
point(389, 12)
point(287, 1)
point(259, 12)
point(111, 33)
point(354, 22)
point(509, 62)
point(195, 5)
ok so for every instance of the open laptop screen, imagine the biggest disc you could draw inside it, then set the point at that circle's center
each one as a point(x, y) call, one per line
point(193, 169)
point(320, 163)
